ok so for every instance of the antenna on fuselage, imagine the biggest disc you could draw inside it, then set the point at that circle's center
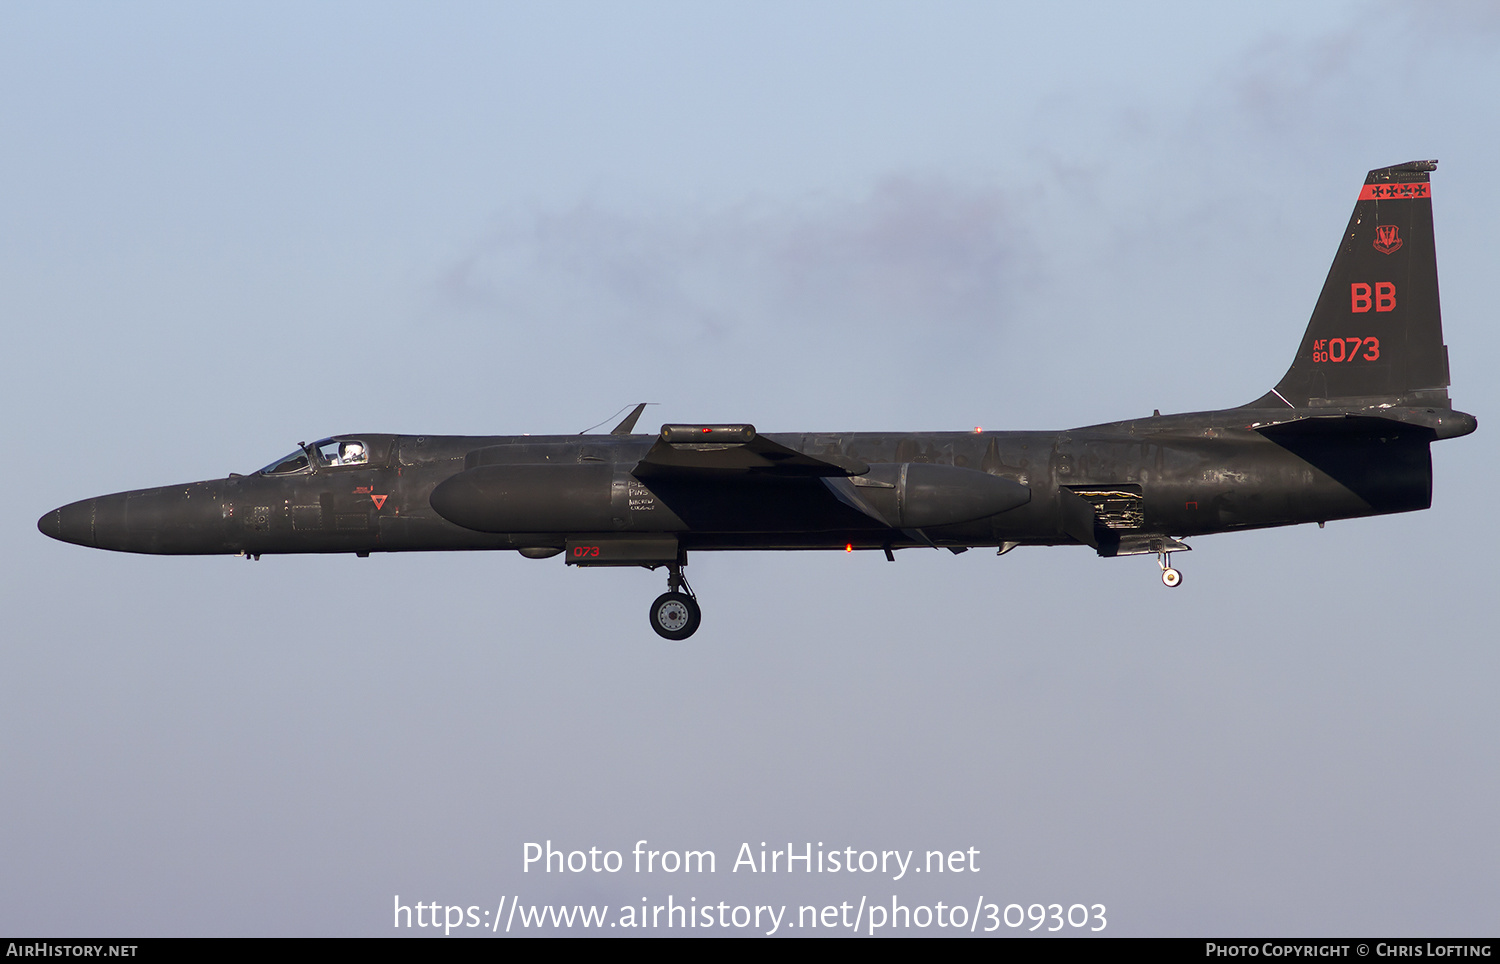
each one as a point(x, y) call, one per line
point(627, 424)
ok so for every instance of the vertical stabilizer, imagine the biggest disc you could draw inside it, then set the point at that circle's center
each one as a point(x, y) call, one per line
point(1376, 335)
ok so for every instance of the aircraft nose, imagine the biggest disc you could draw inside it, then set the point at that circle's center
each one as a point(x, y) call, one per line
point(171, 520)
point(72, 523)
point(98, 522)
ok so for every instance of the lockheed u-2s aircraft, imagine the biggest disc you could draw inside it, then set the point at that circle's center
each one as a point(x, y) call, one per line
point(1345, 433)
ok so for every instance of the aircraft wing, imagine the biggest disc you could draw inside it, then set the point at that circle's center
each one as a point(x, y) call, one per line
point(698, 450)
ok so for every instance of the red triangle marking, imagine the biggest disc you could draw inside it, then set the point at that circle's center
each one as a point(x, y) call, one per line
point(379, 501)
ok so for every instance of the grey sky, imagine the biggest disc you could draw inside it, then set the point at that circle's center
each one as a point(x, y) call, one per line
point(230, 228)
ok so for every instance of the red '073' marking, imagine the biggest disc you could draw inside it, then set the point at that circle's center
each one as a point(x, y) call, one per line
point(1346, 349)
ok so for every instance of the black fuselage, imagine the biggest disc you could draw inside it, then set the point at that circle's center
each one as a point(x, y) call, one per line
point(1158, 477)
point(1344, 433)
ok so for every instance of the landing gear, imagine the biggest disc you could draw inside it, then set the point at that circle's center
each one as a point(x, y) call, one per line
point(1170, 577)
point(675, 614)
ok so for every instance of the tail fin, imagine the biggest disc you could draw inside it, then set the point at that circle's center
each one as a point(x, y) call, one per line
point(1376, 335)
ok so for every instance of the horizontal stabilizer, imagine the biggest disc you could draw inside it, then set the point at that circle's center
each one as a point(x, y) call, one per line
point(1443, 423)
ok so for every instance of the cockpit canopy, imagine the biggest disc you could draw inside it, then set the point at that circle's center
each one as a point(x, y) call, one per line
point(328, 452)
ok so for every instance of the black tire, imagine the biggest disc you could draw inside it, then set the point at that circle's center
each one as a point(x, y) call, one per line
point(675, 615)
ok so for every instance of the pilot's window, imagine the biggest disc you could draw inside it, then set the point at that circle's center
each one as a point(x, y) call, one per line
point(342, 451)
point(295, 462)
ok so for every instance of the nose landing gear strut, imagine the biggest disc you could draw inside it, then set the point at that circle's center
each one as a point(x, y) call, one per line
point(675, 614)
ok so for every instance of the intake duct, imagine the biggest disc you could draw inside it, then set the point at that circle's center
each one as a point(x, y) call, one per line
point(916, 495)
point(529, 498)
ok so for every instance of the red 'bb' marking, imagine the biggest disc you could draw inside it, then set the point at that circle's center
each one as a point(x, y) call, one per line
point(1385, 296)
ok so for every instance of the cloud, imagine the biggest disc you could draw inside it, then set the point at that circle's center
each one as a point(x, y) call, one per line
point(923, 252)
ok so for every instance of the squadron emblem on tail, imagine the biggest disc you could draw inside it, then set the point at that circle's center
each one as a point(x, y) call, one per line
point(1387, 238)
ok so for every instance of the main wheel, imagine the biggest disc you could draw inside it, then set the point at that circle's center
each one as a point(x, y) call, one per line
point(675, 615)
point(1171, 578)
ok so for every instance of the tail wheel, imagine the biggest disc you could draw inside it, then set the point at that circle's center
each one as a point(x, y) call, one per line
point(1171, 578)
point(675, 615)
